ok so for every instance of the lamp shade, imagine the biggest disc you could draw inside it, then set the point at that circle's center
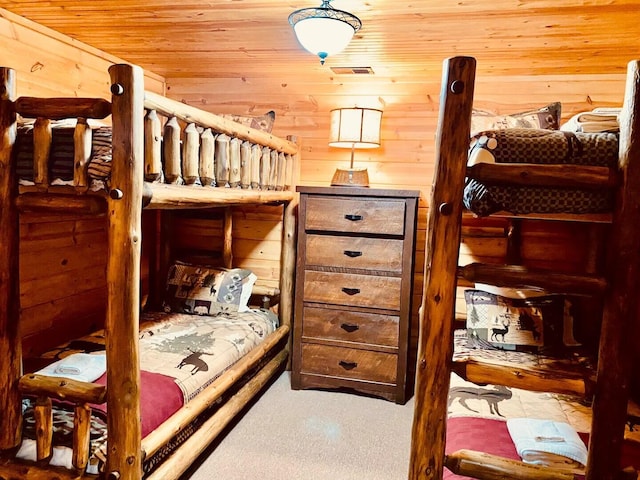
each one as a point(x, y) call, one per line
point(355, 128)
point(323, 30)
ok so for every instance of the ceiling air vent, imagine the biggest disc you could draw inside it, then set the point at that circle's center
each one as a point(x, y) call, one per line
point(352, 70)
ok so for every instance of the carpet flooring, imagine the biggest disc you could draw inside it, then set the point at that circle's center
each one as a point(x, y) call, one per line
point(312, 435)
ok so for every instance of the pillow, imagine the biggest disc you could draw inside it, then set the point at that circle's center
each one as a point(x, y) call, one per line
point(533, 324)
point(203, 290)
point(547, 117)
point(263, 122)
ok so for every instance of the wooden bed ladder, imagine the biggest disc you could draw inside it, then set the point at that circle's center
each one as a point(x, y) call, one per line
point(618, 289)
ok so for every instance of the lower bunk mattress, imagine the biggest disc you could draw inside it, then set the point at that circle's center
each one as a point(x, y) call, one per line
point(538, 146)
point(180, 355)
point(478, 413)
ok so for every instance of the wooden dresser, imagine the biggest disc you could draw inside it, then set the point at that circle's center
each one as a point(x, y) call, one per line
point(354, 280)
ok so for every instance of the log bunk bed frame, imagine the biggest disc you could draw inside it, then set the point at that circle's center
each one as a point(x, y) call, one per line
point(136, 161)
point(617, 288)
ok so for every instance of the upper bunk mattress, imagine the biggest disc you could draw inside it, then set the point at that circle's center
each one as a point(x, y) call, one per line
point(538, 146)
point(62, 153)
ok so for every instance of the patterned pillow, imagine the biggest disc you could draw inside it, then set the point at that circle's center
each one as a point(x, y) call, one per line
point(547, 117)
point(203, 290)
point(262, 122)
point(521, 324)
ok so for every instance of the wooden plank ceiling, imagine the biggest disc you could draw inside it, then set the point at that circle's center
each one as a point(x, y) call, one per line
point(236, 38)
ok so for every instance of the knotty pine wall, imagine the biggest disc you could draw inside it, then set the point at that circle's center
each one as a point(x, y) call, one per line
point(63, 258)
point(405, 158)
point(302, 104)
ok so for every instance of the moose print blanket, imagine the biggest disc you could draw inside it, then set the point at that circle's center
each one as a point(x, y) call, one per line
point(195, 349)
point(180, 355)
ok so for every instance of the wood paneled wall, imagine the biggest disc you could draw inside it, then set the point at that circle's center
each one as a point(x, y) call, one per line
point(49, 63)
point(62, 258)
point(405, 158)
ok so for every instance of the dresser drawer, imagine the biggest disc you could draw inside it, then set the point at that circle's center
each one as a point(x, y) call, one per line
point(352, 289)
point(355, 215)
point(356, 327)
point(376, 254)
point(349, 363)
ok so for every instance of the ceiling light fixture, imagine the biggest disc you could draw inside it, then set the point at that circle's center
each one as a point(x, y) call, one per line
point(323, 30)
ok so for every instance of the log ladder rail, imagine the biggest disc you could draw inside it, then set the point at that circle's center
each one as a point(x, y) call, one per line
point(263, 166)
point(619, 322)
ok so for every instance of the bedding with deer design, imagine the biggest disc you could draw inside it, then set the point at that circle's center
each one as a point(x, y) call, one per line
point(180, 354)
point(539, 146)
point(478, 414)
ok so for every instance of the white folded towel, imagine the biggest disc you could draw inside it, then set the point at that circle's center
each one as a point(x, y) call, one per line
point(85, 367)
point(597, 120)
point(547, 442)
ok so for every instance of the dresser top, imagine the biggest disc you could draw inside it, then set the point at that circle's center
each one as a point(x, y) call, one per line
point(359, 191)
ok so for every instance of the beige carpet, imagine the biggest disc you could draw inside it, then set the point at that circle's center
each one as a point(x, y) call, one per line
point(313, 435)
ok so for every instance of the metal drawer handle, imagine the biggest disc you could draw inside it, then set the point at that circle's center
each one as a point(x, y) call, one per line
point(348, 365)
point(349, 327)
point(350, 291)
point(352, 253)
point(353, 218)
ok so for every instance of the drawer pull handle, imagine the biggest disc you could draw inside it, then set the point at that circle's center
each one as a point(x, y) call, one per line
point(353, 218)
point(351, 291)
point(352, 253)
point(348, 365)
point(349, 327)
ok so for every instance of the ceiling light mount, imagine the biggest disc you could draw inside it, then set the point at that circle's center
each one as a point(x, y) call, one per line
point(324, 30)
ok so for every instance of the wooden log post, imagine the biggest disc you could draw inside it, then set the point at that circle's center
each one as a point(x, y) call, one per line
point(43, 414)
point(191, 155)
point(171, 140)
point(265, 168)
point(288, 264)
point(282, 168)
point(245, 164)
point(234, 162)
point(124, 459)
point(207, 154)
point(82, 139)
point(256, 155)
point(293, 164)
point(41, 149)
point(273, 169)
point(152, 147)
point(435, 347)
point(222, 160)
point(620, 323)
point(227, 243)
point(10, 338)
point(81, 436)
point(288, 174)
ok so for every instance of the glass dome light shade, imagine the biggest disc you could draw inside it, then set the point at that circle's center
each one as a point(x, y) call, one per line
point(324, 30)
point(323, 36)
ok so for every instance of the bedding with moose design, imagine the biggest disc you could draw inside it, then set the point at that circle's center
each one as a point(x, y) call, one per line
point(180, 355)
point(539, 146)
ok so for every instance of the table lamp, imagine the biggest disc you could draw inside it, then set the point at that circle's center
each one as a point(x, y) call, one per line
point(354, 128)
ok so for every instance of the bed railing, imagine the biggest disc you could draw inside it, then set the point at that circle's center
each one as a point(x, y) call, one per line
point(189, 147)
point(81, 394)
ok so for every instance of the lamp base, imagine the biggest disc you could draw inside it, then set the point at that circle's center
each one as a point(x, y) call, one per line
point(350, 177)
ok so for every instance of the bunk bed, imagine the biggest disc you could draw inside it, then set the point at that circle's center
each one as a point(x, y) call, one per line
point(607, 385)
point(197, 161)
